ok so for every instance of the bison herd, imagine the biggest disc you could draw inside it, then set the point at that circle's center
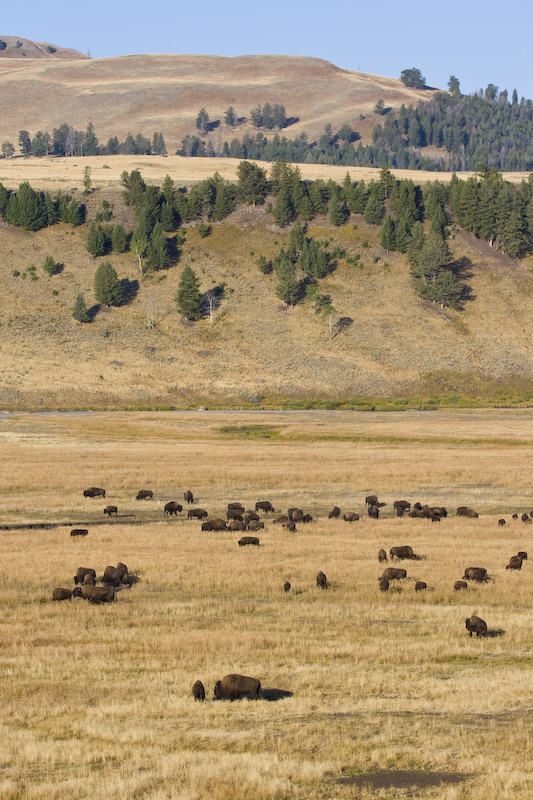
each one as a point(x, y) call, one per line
point(113, 579)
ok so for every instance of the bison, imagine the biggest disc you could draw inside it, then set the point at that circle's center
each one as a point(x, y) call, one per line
point(383, 584)
point(251, 515)
point(214, 525)
point(254, 525)
point(232, 687)
point(420, 586)
point(522, 554)
point(173, 508)
point(514, 563)
point(234, 513)
point(98, 594)
point(382, 555)
point(144, 494)
point(296, 514)
point(188, 497)
point(264, 505)
point(94, 491)
point(198, 691)
point(286, 586)
point(61, 594)
point(248, 540)
point(290, 525)
point(82, 572)
point(334, 513)
point(113, 576)
point(351, 516)
point(501, 522)
point(236, 507)
point(110, 510)
point(478, 574)
point(399, 511)
point(321, 581)
point(406, 551)
point(281, 519)
point(307, 518)
point(394, 574)
point(235, 525)
point(476, 625)
point(458, 585)
point(199, 513)
point(405, 505)
point(463, 511)
point(89, 580)
point(525, 518)
point(373, 512)
point(79, 532)
point(371, 500)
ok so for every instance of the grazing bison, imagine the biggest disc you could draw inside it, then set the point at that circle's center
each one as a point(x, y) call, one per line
point(476, 625)
point(94, 491)
point(394, 574)
point(89, 580)
point(463, 511)
point(173, 508)
point(405, 505)
point(420, 586)
point(501, 522)
point(61, 594)
point(525, 518)
point(199, 513)
point(373, 512)
point(417, 513)
point(307, 518)
point(351, 516)
point(144, 494)
point(478, 574)
point(406, 551)
point(383, 584)
point(235, 525)
point(236, 507)
point(110, 510)
point(79, 532)
point(321, 581)
point(254, 525)
point(82, 572)
point(264, 505)
point(187, 496)
point(234, 513)
point(514, 563)
point(113, 575)
point(198, 691)
point(214, 525)
point(98, 594)
point(458, 585)
point(248, 540)
point(399, 511)
point(515, 516)
point(382, 555)
point(232, 687)
point(281, 519)
point(522, 554)
point(290, 525)
point(251, 515)
point(296, 514)
point(286, 586)
point(334, 513)
point(371, 500)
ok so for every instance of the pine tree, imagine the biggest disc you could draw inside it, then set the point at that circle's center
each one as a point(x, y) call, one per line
point(157, 254)
point(79, 310)
point(388, 238)
point(338, 212)
point(188, 297)
point(119, 238)
point(373, 211)
point(49, 266)
point(31, 208)
point(202, 121)
point(168, 217)
point(296, 241)
point(283, 210)
point(96, 240)
point(264, 266)
point(107, 287)
point(288, 286)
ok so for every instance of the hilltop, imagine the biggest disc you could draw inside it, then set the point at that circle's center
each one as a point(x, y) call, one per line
point(17, 48)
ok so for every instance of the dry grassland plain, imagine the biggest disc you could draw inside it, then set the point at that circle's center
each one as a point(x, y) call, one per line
point(96, 700)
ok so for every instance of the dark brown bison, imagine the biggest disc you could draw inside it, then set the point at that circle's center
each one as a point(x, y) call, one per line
point(187, 496)
point(232, 687)
point(113, 575)
point(417, 513)
point(405, 551)
point(525, 518)
point(463, 511)
point(514, 563)
point(236, 507)
point(394, 574)
point(234, 513)
point(478, 574)
point(98, 594)
point(61, 594)
point(254, 525)
point(307, 518)
point(248, 540)
point(290, 525)
point(82, 572)
point(420, 586)
point(296, 514)
point(94, 491)
point(371, 500)
point(321, 581)
point(214, 525)
point(110, 510)
point(399, 511)
point(79, 532)
point(476, 625)
point(334, 513)
point(382, 555)
point(173, 508)
point(144, 494)
point(417, 507)
point(281, 519)
point(264, 505)
point(440, 510)
point(251, 515)
point(351, 516)
point(501, 522)
point(405, 505)
point(286, 586)
point(373, 512)
point(198, 691)
point(458, 585)
point(89, 580)
point(199, 513)
point(383, 584)
point(522, 554)
point(235, 525)
point(515, 516)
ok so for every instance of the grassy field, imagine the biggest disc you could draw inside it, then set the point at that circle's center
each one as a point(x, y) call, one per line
point(374, 687)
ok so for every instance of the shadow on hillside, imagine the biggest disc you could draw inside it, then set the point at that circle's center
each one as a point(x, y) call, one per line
point(273, 695)
point(93, 311)
point(129, 290)
point(342, 326)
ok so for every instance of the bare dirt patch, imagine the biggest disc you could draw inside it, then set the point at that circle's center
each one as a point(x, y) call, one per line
point(402, 779)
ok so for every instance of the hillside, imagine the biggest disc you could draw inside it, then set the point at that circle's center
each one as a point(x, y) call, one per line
point(17, 48)
point(147, 93)
point(258, 351)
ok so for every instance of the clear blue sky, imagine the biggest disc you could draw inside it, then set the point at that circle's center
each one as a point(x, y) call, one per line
point(479, 41)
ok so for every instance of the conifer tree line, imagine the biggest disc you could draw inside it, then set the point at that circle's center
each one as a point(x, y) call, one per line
point(33, 210)
point(66, 141)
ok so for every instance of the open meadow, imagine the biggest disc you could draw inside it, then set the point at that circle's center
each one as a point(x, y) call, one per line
point(366, 693)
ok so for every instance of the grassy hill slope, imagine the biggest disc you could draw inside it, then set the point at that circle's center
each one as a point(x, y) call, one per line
point(258, 351)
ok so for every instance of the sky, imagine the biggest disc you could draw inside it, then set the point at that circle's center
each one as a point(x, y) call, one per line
point(478, 41)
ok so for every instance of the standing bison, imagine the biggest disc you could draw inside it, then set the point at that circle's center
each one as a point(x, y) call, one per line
point(334, 513)
point(514, 563)
point(187, 496)
point(79, 532)
point(82, 572)
point(199, 513)
point(373, 512)
point(172, 508)
point(144, 494)
point(94, 491)
point(264, 505)
point(214, 525)
point(110, 510)
point(478, 574)
point(394, 574)
point(382, 555)
point(406, 551)
point(476, 625)
point(232, 687)
point(321, 580)
point(61, 594)
point(244, 540)
point(371, 500)
point(198, 691)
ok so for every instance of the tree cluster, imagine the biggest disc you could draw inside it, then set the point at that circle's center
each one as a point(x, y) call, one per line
point(32, 210)
point(66, 141)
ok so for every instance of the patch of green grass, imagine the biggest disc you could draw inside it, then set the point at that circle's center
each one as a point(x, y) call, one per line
point(251, 431)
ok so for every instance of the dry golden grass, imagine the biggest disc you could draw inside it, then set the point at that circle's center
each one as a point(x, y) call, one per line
point(97, 700)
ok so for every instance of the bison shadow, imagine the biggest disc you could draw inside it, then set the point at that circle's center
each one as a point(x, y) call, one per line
point(492, 633)
point(273, 695)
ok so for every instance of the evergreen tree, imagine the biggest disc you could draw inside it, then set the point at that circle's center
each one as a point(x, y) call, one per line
point(188, 297)
point(49, 266)
point(157, 254)
point(338, 212)
point(416, 244)
point(402, 235)
point(79, 311)
point(168, 189)
point(25, 142)
point(264, 266)
point(202, 121)
point(107, 287)
point(313, 260)
point(373, 211)
point(31, 208)
point(434, 257)
point(283, 210)
point(96, 240)
point(288, 285)
point(168, 217)
point(74, 215)
point(119, 238)
point(252, 185)
point(230, 117)
point(134, 187)
point(413, 78)
point(296, 242)
point(388, 238)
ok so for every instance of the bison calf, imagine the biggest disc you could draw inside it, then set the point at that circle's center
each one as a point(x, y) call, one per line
point(458, 585)
point(321, 581)
point(476, 625)
point(198, 691)
point(382, 555)
point(420, 586)
point(61, 594)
